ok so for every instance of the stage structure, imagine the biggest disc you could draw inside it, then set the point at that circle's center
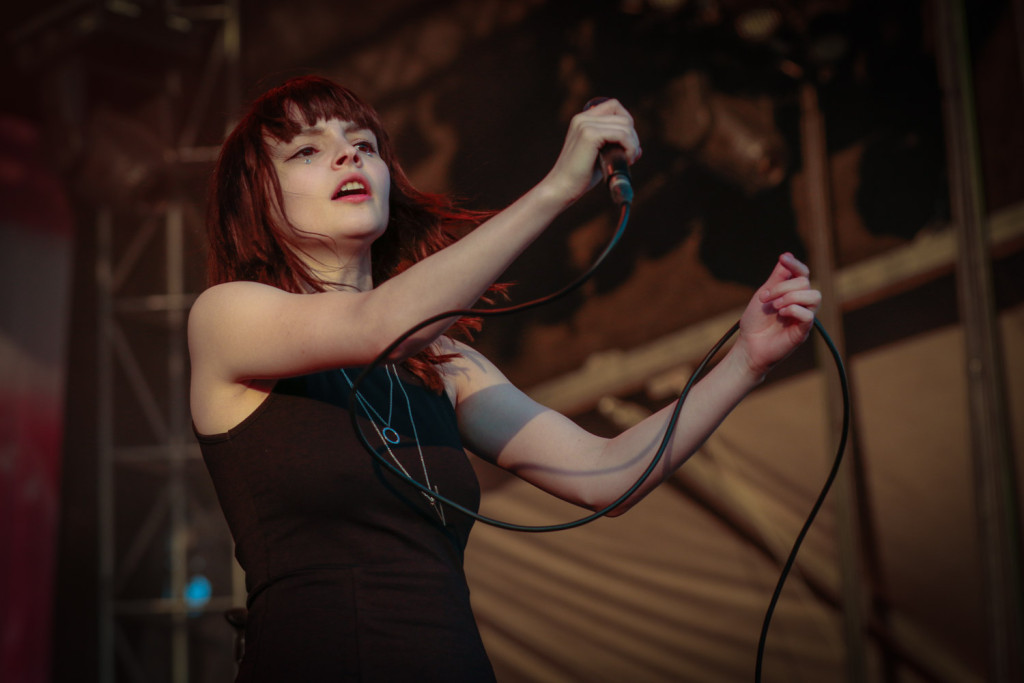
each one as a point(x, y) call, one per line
point(148, 631)
point(142, 93)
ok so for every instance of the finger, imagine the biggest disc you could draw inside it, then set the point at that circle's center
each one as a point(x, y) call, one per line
point(780, 273)
point(607, 110)
point(800, 314)
point(785, 287)
point(609, 132)
point(607, 105)
point(809, 299)
point(618, 125)
point(795, 265)
point(774, 290)
point(786, 268)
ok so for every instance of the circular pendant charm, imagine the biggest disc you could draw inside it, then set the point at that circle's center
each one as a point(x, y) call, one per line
point(391, 436)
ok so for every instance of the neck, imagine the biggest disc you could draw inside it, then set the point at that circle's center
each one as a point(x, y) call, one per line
point(351, 273)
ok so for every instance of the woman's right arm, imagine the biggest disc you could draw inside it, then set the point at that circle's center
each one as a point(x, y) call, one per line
point(245, 330)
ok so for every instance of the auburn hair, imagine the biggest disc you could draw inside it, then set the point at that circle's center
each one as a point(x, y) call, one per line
point(247, 240)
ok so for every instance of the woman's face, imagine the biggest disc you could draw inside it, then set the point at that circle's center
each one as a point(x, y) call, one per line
point(333, 182)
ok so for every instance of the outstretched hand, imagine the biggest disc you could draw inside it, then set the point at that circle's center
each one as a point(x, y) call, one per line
point(779, 316)
point(576, 169)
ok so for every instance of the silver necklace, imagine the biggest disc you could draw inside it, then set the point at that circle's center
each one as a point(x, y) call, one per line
point(390, 437)
point(388, 434)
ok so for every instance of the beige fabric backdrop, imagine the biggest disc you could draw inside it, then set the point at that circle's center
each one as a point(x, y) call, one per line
point(672, 592)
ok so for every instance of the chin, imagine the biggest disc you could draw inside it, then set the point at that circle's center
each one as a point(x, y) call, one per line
point(368, 233)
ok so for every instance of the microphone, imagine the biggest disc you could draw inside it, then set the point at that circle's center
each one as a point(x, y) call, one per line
point(614, 167)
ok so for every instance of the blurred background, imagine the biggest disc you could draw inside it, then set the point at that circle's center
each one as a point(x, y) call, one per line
point(882, 142)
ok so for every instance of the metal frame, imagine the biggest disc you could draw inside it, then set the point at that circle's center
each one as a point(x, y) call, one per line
point(159, 390)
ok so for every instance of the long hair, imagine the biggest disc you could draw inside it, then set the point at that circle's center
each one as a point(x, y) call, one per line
point(247, 240)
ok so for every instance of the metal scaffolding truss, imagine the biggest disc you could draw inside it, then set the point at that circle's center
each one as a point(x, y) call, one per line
point(165, 570)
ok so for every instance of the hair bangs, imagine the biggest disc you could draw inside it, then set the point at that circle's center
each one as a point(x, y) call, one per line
point(301, 103)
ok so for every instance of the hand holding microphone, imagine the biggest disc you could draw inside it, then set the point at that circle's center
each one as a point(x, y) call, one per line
point(614, 166)
point(603, 127)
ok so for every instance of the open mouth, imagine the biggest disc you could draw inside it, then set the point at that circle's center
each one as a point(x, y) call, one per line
point(351, 188)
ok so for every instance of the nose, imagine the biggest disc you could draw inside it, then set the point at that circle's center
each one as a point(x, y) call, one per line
point(348, 152)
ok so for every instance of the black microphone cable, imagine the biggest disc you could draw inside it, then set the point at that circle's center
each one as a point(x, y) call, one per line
point(669, 430)
point(840, 448)
point(495, 312)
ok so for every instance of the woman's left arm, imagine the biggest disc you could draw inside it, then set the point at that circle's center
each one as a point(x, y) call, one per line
point(500, 423)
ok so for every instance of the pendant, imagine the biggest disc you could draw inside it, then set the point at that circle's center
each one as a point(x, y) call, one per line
point(438, 508)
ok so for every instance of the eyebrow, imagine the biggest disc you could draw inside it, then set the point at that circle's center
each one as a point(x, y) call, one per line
point(314, 131)
point(311, 131)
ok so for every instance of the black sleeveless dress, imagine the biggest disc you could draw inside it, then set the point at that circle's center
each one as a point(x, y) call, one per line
point(351, 574)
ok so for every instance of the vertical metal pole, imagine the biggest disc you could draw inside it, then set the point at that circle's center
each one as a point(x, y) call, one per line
point(233, 98)
point(995, 481)
point(232, 62)
point(105, 443)
point(176, 406)
point(819, 199)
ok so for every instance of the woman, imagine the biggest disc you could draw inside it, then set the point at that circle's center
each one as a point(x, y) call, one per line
point(322, 254)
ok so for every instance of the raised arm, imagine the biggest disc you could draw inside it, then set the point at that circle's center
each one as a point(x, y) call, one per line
point(244, 330)
point(503, 425)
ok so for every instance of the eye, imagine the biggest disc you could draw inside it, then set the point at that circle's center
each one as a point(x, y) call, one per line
point(304, 153)
point(366, 147)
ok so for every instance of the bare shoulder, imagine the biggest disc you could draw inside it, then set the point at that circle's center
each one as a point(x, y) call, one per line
point(218, 400)
point(228, 297)
point(225, 316)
